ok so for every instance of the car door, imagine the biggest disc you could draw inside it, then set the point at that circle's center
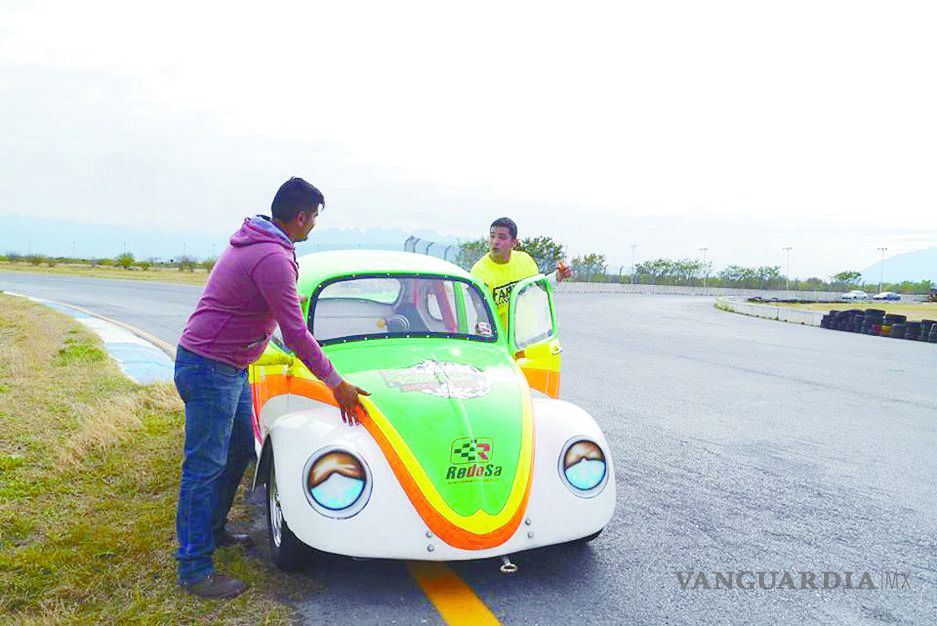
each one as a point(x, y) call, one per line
point(532, 336)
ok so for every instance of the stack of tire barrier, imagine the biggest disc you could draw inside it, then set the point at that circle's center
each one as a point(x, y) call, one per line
point(877, 322)
point(929, 331)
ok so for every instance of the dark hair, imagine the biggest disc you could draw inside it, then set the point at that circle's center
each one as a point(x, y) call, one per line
point(506, 222)
point(296, 196)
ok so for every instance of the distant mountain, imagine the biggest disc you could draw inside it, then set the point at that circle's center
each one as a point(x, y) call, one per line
point(910, 266)
point(56, 238)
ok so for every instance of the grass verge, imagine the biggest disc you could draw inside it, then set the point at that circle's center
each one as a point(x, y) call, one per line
point(89, 471)
point(164, 275)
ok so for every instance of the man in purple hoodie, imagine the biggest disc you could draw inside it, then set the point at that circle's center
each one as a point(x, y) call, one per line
point(251, 290)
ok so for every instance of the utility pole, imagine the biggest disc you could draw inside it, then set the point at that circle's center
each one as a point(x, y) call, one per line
point(633, 246)
point(788, 272)
point(881, 275)
point(705, 272)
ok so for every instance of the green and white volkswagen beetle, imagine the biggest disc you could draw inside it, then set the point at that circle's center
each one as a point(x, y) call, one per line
point(465, 452)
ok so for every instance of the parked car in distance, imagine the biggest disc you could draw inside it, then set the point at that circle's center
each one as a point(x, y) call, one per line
point(855, 294)
point(886, 295)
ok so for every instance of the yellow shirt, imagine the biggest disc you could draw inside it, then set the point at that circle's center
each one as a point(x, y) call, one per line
point(501, 278)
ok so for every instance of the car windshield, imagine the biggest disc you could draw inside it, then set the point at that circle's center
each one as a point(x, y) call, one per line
point(365, 307)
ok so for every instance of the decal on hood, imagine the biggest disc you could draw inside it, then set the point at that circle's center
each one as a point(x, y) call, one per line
point(440, 378)
point(471, 459)
point(471, 450)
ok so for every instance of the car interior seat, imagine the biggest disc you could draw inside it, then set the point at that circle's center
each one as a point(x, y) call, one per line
point(406, 318)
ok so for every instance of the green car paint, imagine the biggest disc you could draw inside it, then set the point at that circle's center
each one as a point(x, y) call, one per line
point(458, 403)
point(458, 407)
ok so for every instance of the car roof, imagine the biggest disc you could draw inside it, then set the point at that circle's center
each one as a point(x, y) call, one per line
point(318, 266)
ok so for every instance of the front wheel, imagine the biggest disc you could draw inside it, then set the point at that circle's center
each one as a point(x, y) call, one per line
point(287, 551)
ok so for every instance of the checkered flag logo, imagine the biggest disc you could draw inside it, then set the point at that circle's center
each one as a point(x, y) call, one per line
point(471, 450)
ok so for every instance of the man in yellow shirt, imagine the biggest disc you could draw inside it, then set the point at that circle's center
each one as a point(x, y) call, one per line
point(503, 266)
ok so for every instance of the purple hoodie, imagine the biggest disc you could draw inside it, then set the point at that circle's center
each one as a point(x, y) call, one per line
point(251, 289)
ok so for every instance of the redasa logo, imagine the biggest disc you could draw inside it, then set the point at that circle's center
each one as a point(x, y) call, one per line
point(471, 458)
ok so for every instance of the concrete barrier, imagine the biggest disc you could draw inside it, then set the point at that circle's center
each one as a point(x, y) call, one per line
point(626, 288)
point(771, 312)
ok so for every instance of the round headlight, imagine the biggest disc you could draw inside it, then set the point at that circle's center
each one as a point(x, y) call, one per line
point(338, 483)
point(583, 467)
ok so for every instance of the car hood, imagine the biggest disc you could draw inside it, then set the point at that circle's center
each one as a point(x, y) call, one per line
point(454, 420)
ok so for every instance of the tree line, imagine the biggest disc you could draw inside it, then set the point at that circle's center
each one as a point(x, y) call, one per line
point(546, 252)
point(591, 267)
point(682, 272)
point(125, 260)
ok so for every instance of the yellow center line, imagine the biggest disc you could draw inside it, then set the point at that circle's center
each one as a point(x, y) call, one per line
point(455, 601)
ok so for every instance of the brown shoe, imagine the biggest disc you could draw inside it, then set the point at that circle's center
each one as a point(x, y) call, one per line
point(216, 585)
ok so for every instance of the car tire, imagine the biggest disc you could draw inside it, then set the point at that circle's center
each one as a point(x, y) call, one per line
point(926, 326)
point(286, 550)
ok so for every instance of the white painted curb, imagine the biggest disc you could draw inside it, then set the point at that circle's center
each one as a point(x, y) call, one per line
point(142, 357)
point(767, 311)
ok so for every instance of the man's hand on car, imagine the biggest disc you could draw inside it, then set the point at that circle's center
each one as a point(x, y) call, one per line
point(346, 395)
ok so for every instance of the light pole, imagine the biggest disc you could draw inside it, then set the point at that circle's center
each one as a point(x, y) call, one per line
point(788, 272)
point(881, 275)
point(703, 250)
point(633, 246)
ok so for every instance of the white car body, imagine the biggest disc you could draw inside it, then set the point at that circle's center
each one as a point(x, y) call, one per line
point(390, 527)
point(466, 452)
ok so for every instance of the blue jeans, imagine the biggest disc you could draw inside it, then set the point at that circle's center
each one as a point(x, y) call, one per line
point(219, 444)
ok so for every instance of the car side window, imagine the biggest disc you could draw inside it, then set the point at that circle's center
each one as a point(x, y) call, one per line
point(533, 317)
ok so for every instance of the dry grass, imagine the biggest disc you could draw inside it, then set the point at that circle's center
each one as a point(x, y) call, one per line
point(166, 275)
point(913, 310)
point(89, 467)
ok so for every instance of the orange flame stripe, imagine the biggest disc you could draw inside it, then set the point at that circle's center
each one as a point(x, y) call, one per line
point(274, 384)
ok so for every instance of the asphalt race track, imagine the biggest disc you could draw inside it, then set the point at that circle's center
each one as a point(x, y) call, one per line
point(749, 454)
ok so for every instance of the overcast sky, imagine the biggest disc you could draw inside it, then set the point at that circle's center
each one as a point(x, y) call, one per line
point(741, 127)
